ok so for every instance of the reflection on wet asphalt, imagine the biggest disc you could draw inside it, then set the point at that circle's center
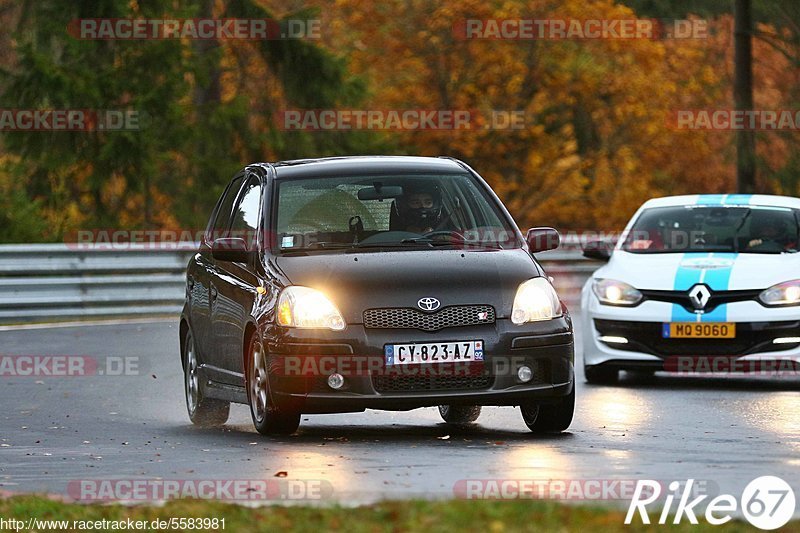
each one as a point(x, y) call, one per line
point(723, 430)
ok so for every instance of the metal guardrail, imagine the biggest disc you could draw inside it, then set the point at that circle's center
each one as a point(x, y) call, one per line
point(46, 282)
point(50, 282)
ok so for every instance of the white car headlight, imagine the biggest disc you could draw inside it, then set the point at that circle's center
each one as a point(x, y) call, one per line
point(536, 299)
point(303, 307)
point(787, 293)
point(613, 292)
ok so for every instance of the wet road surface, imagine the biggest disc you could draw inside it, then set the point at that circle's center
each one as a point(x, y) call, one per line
point(57, 431)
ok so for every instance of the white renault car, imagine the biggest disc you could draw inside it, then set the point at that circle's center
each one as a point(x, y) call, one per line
point(696, 283)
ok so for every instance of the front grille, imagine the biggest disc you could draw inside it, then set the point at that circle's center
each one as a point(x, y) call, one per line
point(751, 337)
point(430, 383)
point(447, 317)
point(717, 298)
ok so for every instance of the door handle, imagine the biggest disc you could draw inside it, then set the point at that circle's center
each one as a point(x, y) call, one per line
point(214, 293)
point(190, 283)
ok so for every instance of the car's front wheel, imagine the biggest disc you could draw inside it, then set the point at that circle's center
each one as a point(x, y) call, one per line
point(460, 415)
point(268, 418)
point(203, 411)
point(549, 418)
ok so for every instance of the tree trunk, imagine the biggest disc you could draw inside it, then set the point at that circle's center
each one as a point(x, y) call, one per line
point(743, 95)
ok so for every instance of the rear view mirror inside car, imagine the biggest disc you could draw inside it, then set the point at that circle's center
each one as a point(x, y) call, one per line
point(379, 192)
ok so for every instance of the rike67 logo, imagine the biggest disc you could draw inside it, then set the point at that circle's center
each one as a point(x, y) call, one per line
point(767, 503)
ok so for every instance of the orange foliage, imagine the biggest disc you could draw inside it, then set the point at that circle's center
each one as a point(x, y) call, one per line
point(597, 140)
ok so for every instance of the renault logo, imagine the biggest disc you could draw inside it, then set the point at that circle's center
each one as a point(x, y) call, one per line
point(699, 296)
point(429, 304)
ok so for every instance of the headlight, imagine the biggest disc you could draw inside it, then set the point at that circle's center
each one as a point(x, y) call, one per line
point(787, 293)
point(536, 300)
point(613, 292)
point(303, 307)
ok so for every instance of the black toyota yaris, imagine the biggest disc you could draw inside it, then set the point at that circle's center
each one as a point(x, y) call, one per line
point(340, 284)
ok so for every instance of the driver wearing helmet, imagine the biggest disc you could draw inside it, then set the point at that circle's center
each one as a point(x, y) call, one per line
point(770, 231)
point(420, 210)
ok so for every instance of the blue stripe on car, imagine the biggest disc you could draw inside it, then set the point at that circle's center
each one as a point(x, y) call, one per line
point(718, 279)
point(711, 199)
point(685, 279)
point(738, 199)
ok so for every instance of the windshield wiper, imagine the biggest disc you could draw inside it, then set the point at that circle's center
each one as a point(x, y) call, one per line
point(396, 244)
point(327, 244)
point(428, 240)
point(405, 243)
point(321, 245)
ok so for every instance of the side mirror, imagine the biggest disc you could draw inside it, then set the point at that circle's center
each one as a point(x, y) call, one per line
point(542, 239)
point(233, 249)
point(599, 250)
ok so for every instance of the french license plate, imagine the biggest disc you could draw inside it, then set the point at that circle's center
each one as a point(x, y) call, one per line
point(699, 330)
point(435, 352)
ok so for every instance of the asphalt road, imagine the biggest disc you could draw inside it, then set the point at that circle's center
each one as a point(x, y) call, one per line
point(59, 430)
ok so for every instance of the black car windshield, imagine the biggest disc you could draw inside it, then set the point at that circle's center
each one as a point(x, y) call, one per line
point(403, 212)
point(751, 229)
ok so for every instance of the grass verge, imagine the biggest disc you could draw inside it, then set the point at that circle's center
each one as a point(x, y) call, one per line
point(390, 516)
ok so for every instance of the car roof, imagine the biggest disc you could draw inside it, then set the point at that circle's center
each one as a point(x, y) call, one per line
point(724, 200)
point(364, 165)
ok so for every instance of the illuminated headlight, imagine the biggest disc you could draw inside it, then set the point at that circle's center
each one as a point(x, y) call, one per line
point(787, 293)
point(536, 300)
point(613, 292)
point(303, 307)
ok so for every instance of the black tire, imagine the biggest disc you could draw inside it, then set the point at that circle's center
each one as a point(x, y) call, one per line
point(601, 375)
point(460, 415)
point(268, 418)
point(549, 418)
point(206, 412)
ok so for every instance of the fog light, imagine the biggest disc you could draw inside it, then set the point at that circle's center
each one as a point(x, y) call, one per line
point(613, 340)
point(335, 381)
point(786, 340)
point(524, 374)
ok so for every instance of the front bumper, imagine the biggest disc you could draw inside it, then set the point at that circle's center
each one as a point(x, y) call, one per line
point(757, 328)
point(301, 361)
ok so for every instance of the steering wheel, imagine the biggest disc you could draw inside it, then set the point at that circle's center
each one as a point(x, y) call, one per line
point(444, 233)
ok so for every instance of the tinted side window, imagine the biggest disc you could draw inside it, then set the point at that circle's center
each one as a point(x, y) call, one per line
point(222, 222)
point(246, 213)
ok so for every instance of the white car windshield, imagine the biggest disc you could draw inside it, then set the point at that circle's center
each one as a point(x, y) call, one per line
point(740, 229)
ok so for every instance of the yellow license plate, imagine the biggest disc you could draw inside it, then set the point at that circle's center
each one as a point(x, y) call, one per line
point(699, 330)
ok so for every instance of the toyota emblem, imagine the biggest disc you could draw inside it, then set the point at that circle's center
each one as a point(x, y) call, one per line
point(428, 304)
